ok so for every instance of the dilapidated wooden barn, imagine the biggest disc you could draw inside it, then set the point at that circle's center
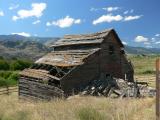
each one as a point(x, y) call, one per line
point(75, 61)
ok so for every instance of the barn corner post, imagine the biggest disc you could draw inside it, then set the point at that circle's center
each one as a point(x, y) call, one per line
point(158, 89)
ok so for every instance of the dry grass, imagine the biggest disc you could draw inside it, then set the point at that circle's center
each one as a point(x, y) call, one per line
point(86, 108)
point(150, 79)
point(77, 108)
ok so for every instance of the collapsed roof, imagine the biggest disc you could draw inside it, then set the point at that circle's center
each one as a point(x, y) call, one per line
point(66, 58)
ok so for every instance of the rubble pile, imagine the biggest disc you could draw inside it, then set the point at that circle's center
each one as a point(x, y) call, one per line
point(98, 88)
point(113, 87)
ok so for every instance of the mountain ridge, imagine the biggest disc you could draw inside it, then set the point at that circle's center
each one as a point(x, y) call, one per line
point(34, 47)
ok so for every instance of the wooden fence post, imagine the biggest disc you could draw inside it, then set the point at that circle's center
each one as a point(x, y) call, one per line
point(7, 90)
point(158, 89)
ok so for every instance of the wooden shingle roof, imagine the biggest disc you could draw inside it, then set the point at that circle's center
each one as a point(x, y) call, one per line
point(93, 38)
point(66, 58)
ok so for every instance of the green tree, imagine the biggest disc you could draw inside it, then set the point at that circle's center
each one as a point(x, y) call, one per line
point(20, 64)
point(4, 65)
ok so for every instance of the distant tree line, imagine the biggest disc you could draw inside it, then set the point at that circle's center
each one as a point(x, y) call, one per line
point(14, 64)
point(9, 70)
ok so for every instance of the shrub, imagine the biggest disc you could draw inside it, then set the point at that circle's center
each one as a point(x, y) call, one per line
point(149, 72)
point(8, 78)
point(5, 74)
point(3, 82)
point(4, 65)
point(12, 79)
point(20, 64)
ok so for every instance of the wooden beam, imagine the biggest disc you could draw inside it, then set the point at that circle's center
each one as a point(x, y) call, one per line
point(158, 89)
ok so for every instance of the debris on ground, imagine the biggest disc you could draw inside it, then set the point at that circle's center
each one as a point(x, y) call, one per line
point(113, 87)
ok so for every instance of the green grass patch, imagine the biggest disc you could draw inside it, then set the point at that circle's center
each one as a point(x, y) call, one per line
point(144, 64)
point(149, 72)
point(9, 70)
point(89, 114)
point(18, 115)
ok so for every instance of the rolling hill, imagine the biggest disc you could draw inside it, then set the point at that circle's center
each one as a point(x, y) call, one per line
point(24, 47)
point(141, 50)
point(34, 47)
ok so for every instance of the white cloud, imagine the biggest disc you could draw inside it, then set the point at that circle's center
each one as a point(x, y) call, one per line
point(157, 35)
point(131, 11)
point(158, 42)
point(128, 11)
point(64, 22)
point(110, 9)
point(125, 12)
point(1, 13)
point(36, 11)
point(107, 18)
point(93, 9)
point(12, 7)
point(152, 38)
point(36, 22)
point(129, 18)
point(48, 24)
point(141, 39)
point(22, 34)
point(149, 46)
point(125, 43)
point(15, 18)
point(78, 21)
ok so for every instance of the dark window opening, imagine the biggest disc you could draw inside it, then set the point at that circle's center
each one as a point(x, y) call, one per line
point(53, 71)
point(111, 49)
point(122, 52)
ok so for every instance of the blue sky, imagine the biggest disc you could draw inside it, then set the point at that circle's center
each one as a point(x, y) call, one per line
point(137, 22)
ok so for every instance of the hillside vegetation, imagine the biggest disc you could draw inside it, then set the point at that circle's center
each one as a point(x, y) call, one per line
point(9, 70)
point(16, 46)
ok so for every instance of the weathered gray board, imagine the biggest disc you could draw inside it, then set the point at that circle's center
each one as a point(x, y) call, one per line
point(32, 89)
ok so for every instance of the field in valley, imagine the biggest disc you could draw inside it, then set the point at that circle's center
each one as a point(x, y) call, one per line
point(87, 108)
point(144, 67)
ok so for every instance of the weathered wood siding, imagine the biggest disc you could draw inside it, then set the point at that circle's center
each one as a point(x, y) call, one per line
point(82, 75)
point(111, 63)
point(127, 69)
point(29, 87)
